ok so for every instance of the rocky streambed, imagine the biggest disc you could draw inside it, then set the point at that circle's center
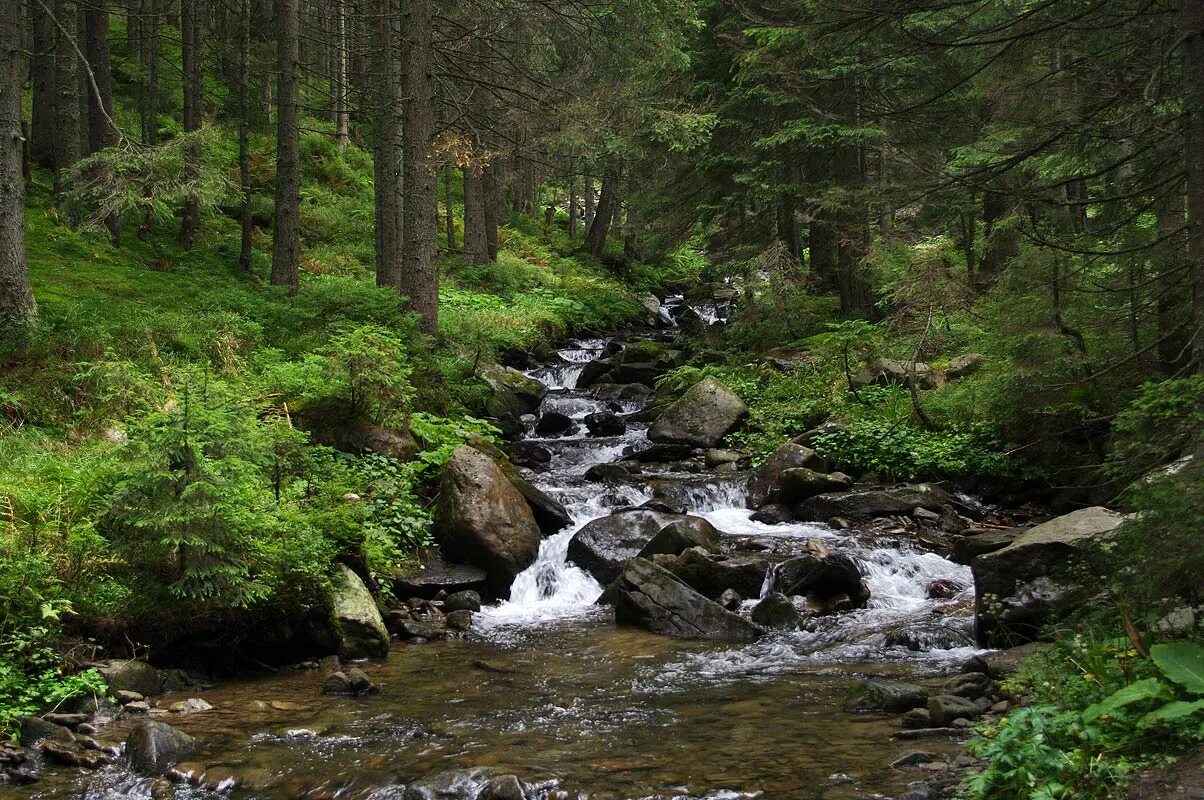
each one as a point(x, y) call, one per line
point(781, 633)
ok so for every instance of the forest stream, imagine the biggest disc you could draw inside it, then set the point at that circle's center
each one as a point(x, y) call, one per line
point(547, 687)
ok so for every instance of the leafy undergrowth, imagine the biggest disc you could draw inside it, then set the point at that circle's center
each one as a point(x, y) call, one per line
point(1096, 711)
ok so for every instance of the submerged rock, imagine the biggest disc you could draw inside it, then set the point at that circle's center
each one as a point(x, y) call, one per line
point(701, 417)
point(884, 695)
point(653, 598)
point(1039, 577)
point(362, 632)
point(481, 517)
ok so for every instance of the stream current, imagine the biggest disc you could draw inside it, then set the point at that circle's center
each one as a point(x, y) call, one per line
point(547, 687)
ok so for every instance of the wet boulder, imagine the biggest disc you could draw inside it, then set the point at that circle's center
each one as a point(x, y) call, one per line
point(130, 675)
point(682, 534)
point(976, 542)
point(605, 423)
point(531, 455)
point(874, 502)
point(765, 480)
point(433, 574)
point(513, 393)
point(553, 423)
point(362, 632)
point(482, 518)
point(456, 784)
point(776, 611)
point(830, 583)
point(620, 392)
point(885, 695)
point(598, 371)
point(1039, 577)
point(701, 417)
point(602, 545)
point(153, 746)
point(642, 372)
point(712, 574)
point(800, 483)
point(550, 515)
point(773, 514)
point(651, 597)
point(462, 601)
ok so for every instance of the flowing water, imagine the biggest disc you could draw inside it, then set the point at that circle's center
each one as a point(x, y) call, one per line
point(547, 687)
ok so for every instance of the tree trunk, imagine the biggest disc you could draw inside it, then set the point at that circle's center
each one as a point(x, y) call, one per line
point(387, 145)
point(66, 98)
point(852, 233)
point(588, 200)
point(1002, 245)
point(244, 134)
point(1192, 23)
point(493, 201)
point(16, 298)
point(100, 97)
point(572, 205)
point(286, 236)
point(342, 114)
point(476, 239)
point(192, 40)
point(150, 88)
point(419, 271)
point(42, 74)
point(595, 237)
point(788, 230)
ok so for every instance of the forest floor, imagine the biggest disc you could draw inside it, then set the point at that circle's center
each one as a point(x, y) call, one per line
point(1182, 779)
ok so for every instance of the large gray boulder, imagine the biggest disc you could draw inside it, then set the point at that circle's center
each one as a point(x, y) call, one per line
point(701, 417)
point(602, 545)
point(713, 574)
point(653, 598)
point(878, 694)
point(874, 502)
point(362, 632)
point(800, 483)
point(483, 519)
point(513, 393)
point(1039, 577)
point(131, 675)
point(550, 515)
point(765, 480)
point(830, 582)
point(682, 534)
point(153, 746)
point(433, 574)
point(886, 371)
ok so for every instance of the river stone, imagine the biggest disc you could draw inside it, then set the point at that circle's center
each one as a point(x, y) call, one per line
point(462, 601)
point(362, 632)
point(481, 517)
point(1000, 664)
point(456, 784)
point(773, 514)
point(979, 542)
point(602, 545)
point(831, 582)
point(970, 685)
point(596, 372)
point(605, 423)
point(730, 599)
point(553, 423)
point(873, 502)
point(131, 676)
point(884, 695)
point(645, 372)
point(886, 371)
point(653, 598)
point(944, 708)
point(713, 574)
point(701, 417)
point(681, 535)
point(776, 611)
point(514, 393)
point(1037, 578)
point(153, 746)
point(503, 787)
point(434, 574)
point(35, 729)
point(800, 483)
point(765, 480)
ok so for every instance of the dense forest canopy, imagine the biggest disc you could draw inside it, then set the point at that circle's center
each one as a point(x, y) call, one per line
point(269, 268)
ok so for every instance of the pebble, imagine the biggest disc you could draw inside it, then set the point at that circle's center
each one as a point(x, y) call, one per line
point(138, 707)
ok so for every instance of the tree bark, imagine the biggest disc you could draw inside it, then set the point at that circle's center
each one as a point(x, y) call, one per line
point(150, 88)
point(100, 97)
point(244, 134)
point(286, 237)
point(16, 297)
point(66, 98)
point(595, 237)
point(476, 239)
point(386, 149)
point(342, 114)
point(493, 202)
point(572, 204)
point(1192, 23)
point(449, 215)
point(822, 249)
point(1002, 245)
point(42, 73)
point(419, 271)
point(192, 40)
point(588, 200)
